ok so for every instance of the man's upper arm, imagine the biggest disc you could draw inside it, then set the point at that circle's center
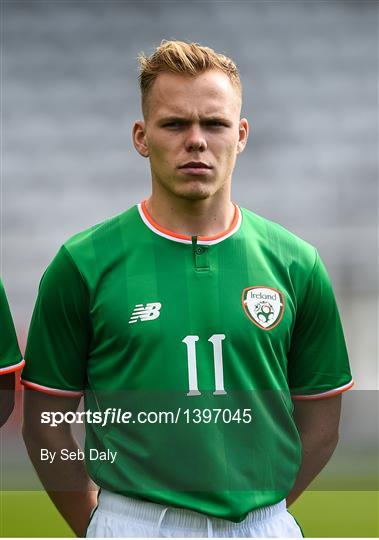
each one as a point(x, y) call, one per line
point(318, 418)
point(7, 384)
point(59, 334)
point(10, 356)
point(318, 364)
point(35, 403)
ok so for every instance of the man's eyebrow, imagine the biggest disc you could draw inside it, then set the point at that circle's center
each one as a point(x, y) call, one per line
point(215, 118)
point(174, 119)
point(186, 120)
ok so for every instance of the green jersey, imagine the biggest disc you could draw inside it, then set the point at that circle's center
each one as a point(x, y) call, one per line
point(10, 355)
point(201, 343)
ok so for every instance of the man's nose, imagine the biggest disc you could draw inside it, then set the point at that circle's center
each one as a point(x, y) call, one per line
point(195, 139)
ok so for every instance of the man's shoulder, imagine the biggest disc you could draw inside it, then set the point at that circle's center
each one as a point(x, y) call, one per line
point(278, 240)
point(103, 234)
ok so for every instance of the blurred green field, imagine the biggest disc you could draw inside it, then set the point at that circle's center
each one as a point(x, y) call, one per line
point(320, 514)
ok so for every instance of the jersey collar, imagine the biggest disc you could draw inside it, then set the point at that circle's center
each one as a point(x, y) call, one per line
point(184, 239)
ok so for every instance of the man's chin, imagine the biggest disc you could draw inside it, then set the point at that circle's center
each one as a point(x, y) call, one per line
point(197, 192)
point(194, 195)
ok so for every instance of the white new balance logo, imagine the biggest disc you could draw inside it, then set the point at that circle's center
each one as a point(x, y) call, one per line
point(145, 313)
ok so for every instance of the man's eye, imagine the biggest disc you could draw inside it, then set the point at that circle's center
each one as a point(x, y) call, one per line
point(215, 123)
point(172, 125)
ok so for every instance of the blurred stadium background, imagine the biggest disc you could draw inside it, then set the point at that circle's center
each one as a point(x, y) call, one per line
point(69, 98)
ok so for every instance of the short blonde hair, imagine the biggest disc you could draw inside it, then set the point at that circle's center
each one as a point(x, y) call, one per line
point(185, 59)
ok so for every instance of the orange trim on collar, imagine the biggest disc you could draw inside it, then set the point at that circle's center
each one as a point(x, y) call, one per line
point(184, 236)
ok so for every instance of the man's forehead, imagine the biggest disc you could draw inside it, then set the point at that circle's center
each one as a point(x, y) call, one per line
point(211, 92)
point(193, 110)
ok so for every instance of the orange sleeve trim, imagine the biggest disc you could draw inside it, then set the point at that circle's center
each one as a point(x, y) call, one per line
point(12, 369)
point(51, 391)
point(323, 395)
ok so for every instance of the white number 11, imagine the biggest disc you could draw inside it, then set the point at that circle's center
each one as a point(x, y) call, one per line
point(216, 341)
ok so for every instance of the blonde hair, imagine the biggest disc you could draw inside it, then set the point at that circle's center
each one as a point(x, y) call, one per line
point(185, 59)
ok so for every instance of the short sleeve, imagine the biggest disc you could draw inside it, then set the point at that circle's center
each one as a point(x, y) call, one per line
point(318, 364)
point(10, 355)
point(59, 333)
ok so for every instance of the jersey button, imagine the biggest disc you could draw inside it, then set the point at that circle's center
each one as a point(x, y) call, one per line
point(200, 250)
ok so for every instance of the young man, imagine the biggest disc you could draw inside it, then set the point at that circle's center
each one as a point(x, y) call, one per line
point(199, 321)
point(10, 358)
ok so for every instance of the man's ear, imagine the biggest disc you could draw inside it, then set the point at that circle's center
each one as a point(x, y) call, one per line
point(243, 135)
point(139, 138)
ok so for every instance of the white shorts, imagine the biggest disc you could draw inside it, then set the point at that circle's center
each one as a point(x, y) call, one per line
point(118, 516)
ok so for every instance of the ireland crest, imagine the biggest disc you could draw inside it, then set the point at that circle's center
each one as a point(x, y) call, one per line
point(263, 305)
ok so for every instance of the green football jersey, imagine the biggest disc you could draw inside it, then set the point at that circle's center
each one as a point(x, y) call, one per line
point(201, 343)
point(10, 355)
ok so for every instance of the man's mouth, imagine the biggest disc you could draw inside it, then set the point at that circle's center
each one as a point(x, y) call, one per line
point(195, 167)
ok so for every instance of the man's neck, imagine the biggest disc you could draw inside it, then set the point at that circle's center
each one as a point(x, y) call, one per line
point(206, 217)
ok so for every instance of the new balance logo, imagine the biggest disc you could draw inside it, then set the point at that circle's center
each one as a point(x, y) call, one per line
point(145, 313)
